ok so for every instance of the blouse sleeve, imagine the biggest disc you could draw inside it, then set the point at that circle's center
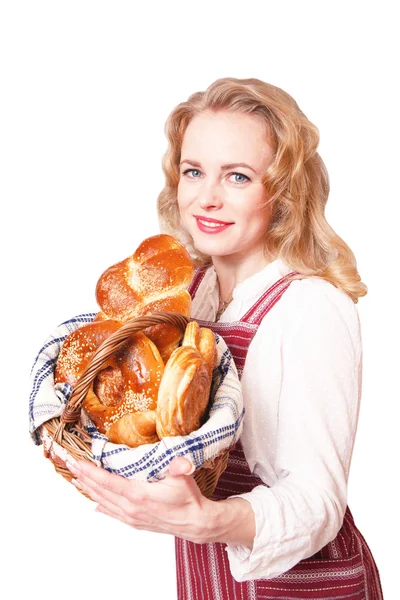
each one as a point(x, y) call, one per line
point(317, 419)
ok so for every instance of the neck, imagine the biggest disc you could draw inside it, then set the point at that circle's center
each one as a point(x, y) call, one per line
point(231, 271)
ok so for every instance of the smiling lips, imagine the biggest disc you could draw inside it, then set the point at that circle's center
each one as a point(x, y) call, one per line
point(211, 225)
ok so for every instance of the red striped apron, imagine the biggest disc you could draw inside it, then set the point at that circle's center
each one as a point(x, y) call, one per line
point(343, 570)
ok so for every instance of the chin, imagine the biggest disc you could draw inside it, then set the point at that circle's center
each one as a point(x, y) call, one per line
point(213, 249)
point(213, 245)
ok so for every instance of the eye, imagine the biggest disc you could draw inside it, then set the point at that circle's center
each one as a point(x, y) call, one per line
point(238, 178)
point(194, 173)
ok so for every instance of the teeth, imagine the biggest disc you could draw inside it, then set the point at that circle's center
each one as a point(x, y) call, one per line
point(210, 224)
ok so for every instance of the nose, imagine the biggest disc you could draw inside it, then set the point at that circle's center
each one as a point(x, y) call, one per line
point(211, 196)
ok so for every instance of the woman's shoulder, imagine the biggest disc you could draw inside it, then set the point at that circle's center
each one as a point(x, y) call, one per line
point(317, 289)
point(315, 302)
point(312, 303)
point(312, 288)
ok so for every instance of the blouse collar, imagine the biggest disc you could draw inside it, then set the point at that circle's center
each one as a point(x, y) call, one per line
point(255, 284)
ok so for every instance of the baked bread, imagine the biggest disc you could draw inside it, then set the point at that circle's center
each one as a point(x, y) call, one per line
point(122, 400)
point(153, 279)
point(135, 399)
point(185, 386)
point(79, 347)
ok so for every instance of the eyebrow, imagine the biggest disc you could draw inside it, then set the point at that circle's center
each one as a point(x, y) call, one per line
point(194, 163)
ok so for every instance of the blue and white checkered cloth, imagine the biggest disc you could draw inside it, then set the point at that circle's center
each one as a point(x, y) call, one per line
point(148, 462)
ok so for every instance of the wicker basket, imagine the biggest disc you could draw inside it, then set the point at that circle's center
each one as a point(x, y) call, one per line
point(65, 436)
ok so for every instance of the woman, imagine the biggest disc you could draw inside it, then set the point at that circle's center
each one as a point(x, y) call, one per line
point(245, 192)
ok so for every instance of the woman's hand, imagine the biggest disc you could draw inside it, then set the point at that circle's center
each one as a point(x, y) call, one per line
point(173, 505)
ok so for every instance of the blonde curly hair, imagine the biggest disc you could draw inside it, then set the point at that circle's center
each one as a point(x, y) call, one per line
point(296, 182)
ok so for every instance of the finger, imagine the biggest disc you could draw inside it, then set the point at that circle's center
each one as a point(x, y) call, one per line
point(111, 513)
point(112, 502)
point(100, 478)
point(128, 521)
point(104, 493)
point(180, 466)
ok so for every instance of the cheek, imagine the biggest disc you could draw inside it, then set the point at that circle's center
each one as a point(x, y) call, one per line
point(184, 204)
point(251, 208)
point(256, 220)
point(182, 196)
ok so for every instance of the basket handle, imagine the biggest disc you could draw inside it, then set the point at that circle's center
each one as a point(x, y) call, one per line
point(117, 339)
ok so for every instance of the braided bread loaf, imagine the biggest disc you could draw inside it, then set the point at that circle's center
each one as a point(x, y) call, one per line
point(122, 401)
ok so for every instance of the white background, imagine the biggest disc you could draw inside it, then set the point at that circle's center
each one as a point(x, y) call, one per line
point(86, 88)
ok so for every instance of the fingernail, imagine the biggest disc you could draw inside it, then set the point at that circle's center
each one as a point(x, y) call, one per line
point(72, 467)
point(76, 483)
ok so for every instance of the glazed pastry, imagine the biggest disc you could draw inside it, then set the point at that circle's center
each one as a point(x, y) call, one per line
point(153, 279)
point(185, 386)
point(122, 400)
point(79, 347)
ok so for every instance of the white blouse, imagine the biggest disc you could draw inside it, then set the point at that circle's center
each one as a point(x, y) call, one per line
point(301, 386)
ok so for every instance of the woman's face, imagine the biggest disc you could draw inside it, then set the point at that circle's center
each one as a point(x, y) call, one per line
point(223, 159)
